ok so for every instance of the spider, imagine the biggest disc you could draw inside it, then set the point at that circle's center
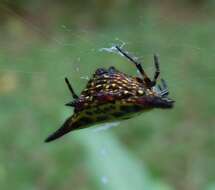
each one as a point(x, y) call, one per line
point(111, 95)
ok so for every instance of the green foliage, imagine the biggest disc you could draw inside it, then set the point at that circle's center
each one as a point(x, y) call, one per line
point(116, 167)
point(158, 150)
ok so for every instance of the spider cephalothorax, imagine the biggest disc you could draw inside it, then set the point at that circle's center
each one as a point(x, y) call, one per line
point(111, 95)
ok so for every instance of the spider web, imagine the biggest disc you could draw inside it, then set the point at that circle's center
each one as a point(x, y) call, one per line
point(182, 60)
point(104, 43)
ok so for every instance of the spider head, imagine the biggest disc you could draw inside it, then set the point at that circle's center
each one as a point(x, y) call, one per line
point(157, 102)
point(157, 97)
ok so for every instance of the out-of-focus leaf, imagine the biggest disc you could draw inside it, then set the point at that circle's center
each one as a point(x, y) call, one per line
point(211, 187)
point(113, 166)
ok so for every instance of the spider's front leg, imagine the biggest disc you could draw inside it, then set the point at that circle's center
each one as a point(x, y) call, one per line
point(157, 70)
point(139, 67)
point(164, 89)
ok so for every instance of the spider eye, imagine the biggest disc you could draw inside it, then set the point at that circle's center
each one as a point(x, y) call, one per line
point(112, 70)
point(100, 71)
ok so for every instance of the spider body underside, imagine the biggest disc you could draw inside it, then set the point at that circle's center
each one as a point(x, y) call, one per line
point(111, 95)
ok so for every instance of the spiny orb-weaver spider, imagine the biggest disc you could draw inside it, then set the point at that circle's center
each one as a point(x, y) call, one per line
point(111, 95)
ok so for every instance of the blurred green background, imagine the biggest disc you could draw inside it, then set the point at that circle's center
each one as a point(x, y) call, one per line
point(41, 42)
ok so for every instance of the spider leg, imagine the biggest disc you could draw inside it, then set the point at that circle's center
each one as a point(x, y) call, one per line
point(164, 91)
point(70, 104)
point(164, 83)
point(157, 69)
point(74, 95)
point(138, 65)
point(159, 87)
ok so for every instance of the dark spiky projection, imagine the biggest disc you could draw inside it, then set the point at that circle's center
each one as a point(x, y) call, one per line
point(111, 95)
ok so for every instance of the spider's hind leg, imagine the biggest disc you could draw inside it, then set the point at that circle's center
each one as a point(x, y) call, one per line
point(70, 104)
point(74, 95)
